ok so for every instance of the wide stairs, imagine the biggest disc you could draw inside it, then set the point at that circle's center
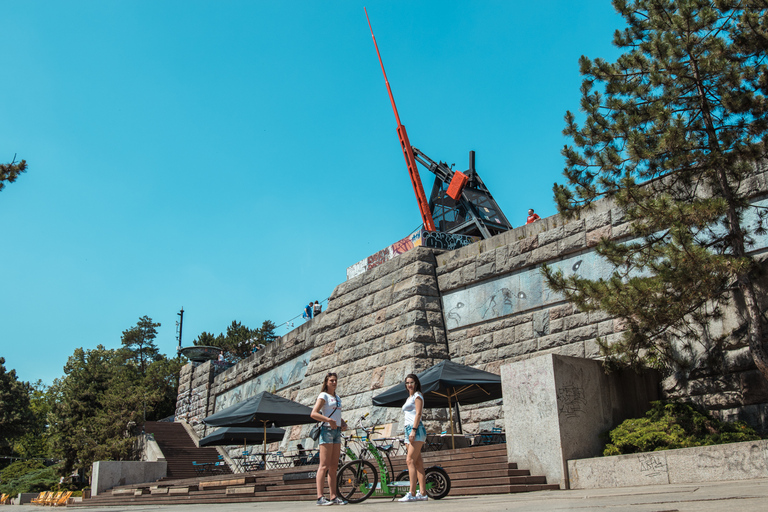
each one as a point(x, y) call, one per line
point(180, 451)
point(473, 471)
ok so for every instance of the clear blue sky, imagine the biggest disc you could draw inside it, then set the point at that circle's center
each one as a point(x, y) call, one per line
point(235, 157)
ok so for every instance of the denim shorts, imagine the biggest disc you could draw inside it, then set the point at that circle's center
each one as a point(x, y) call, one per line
point(421, 433)
point(328, 436)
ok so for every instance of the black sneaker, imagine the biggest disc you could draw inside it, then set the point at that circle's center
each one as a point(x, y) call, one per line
point(322, 501)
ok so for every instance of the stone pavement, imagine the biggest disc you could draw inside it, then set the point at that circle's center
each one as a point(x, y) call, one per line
point(744, 496)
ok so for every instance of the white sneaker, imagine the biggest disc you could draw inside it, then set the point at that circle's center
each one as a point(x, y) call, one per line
point(408, 497)
point(420, 497)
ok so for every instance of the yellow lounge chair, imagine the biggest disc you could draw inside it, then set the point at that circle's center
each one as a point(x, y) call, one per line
point(52, 498)
point(3, 498)
point(41, 498)
point(63, 499)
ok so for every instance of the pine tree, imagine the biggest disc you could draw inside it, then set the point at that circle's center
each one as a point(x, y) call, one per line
point(673, 130)
point(139, 340)
point(9, 172)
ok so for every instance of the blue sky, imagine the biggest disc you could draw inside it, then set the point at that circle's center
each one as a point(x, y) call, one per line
point(235, 157)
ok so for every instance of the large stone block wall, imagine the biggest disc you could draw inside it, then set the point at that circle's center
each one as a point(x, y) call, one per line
point(377, 328)
point(540, 322)
point(483, 305)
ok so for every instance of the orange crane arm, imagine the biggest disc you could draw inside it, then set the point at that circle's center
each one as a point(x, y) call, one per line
point(405, 144)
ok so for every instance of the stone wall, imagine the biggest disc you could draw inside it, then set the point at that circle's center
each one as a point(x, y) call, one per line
point(483, 305)
point(377, 328)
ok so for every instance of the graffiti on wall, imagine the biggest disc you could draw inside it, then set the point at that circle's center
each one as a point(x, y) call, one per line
point(448, 241)
point(287, 374)
point(420, 237)
point(516, 292)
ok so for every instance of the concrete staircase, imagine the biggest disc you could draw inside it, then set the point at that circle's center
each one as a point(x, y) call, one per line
point(473, 471)
point(180, 451)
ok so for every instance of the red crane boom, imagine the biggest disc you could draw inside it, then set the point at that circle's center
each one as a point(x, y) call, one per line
point(410, 160)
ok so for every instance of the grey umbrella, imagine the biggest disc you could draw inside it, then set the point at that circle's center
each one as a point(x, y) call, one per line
point(445, 384)
point(258, 411)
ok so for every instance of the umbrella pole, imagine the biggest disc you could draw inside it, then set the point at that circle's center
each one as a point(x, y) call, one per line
point(450, 408)
point(264, 451)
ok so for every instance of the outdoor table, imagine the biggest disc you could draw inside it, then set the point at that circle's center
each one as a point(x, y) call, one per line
point(459, 441)
point(209, 467)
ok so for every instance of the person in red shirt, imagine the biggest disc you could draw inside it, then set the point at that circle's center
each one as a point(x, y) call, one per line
point(532, 217)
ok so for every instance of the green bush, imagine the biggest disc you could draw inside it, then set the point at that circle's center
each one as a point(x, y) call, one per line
point(28, 476)
point(670, 425)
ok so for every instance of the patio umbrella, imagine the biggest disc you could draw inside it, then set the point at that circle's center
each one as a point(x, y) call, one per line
point(446, 384)
point(227, 436)
point(258, 411)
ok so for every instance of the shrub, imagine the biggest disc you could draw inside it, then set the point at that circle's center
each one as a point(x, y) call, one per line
point(28, 476)
point(670, 425)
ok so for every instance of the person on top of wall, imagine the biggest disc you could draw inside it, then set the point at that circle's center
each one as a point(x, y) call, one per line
point(317, 308)
point(532, 217)
point(308, 311)
point(328, 410)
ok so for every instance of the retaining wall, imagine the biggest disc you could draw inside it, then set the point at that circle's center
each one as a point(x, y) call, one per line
point(483, 305)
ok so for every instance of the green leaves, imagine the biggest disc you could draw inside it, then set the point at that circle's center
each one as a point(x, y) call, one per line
point(670, 131)
point(670, 425)
point(15, 415)
point(101, 399)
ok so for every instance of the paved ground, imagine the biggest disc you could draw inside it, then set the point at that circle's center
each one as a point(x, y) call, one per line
point(740, 496)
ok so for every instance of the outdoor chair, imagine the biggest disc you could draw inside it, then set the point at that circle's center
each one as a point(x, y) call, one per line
point(3, 498)
point(52, 498)
point(40, 500)
point(63, 499)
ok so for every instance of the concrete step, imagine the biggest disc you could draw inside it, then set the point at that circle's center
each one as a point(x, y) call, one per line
point(473, 471)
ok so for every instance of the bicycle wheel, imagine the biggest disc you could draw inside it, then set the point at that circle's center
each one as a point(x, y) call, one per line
point(356, 480)
point(441, 482)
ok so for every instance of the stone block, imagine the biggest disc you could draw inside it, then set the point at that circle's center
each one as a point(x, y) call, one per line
point(557, 406)
point(592, 349)
point(551, 236)
point(621, 231)
point(556, 326)
point(560, 311)
point(524, 332)
point(482, 343)
point(754, 387)
point(736, 461)
point(617, 216)
point(576, 320)
point(583, 333)
point(109, 474)
point(516, 263)
point(571, 243)
point(573, 227)
point(553, 340)
point(631, 470)
point(541, 323)
point(545, 253)
point(504, 337)
point(597, 220)
point(485, 271)
point(594, 236)
point(528, 244)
